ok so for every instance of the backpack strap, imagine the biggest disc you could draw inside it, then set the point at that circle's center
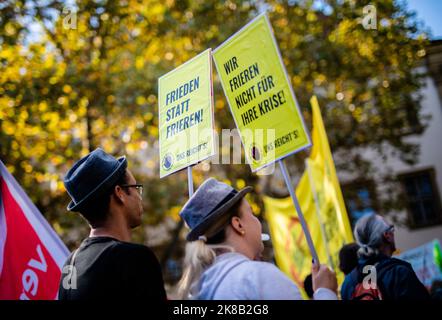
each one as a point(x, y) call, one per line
point(82, 245)
point(71, 264)
point(74, 256)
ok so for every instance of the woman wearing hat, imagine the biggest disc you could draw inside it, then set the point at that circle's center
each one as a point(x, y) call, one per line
point(221, 261)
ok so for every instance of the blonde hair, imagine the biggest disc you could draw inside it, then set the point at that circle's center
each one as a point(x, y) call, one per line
point(199, 256)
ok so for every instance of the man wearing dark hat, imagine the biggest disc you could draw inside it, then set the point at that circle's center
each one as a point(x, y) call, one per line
point(107, 265)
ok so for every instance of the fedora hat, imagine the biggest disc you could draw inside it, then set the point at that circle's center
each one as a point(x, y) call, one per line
point(208, 204)
point(91, 176)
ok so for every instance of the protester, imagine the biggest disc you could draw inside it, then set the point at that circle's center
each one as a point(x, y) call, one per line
point(107, 265)
point(378, 276)
point(348, 257)
point(224, 246)
point(308, 286)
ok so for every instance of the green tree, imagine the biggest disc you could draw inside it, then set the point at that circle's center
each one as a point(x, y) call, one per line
point(69, 85)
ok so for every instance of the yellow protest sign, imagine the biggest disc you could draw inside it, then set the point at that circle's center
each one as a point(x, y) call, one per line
point(259, 94)
point(186, 114)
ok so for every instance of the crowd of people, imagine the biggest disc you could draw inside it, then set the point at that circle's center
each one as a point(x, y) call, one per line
point(223, 253)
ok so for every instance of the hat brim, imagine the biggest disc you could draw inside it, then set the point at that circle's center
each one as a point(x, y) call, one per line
point(217, 214)
point(103, 186)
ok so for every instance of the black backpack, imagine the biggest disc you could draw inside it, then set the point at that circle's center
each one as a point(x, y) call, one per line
point(379, 292)
point(363, 293)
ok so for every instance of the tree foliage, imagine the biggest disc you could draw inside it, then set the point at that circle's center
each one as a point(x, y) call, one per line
point(65, 91)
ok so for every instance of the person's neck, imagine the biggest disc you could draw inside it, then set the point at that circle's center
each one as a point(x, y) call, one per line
point(241, 247)
point(114, 229)
point(386, 250)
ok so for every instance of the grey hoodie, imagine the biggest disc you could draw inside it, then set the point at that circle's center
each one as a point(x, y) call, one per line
point(235, 277)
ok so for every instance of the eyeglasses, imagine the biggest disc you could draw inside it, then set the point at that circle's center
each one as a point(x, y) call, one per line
point(139, 187)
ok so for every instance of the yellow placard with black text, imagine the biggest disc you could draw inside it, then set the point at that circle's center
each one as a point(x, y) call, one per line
point(186, 124)
point(260, 95)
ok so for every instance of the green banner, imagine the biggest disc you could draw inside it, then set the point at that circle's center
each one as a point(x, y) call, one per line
point(186, 114)
point(259, 94)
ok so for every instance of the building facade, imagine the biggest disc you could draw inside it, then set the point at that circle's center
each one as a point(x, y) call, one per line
point(420, 185)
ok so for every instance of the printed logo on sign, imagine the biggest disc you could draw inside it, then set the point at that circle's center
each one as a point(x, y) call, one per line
point(167, 161)
point(255, 153)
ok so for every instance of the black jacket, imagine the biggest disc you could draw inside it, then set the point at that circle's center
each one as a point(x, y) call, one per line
point(396, 279)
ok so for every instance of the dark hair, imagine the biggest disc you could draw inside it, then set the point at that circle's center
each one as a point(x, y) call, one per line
point(96, 210)
point(308, 286)
point(217, 234)
point(348, 257)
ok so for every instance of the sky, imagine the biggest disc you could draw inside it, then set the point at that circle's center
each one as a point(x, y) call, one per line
point(430, 12)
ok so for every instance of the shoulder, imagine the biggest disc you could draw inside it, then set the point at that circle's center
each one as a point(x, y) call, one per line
point(265, 275)
point(140, 271)
point(393, 266)
point(253, 268)
point(401, 282)
point(129, 247)
point(262, 267)
point(398, 272)
point(244, 268)
point(133, 252)
point(348, 285)
point(397, 262)
point(254, 280)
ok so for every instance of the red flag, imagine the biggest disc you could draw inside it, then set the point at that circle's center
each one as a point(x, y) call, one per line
point(31, 253)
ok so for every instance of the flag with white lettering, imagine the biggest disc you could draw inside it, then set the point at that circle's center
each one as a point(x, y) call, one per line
point(31, 253)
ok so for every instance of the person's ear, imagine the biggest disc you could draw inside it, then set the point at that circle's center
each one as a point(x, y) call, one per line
point(119, 194)
point(237, 225)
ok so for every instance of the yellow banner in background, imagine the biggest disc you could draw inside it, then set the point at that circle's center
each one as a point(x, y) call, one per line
point(322, 204)
point(322, 158)
point(259, 94)
point(292, 254)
